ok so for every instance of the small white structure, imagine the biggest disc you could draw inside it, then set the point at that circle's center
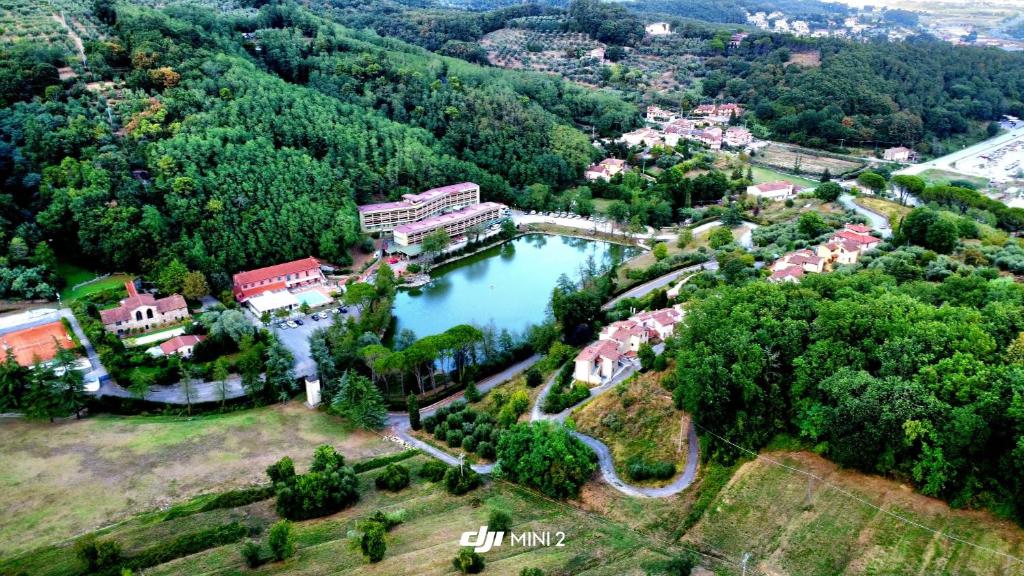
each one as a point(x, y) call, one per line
point(658, 29)
point(312, 393)
point(899, 154)
point(772, 190)
point(737, 137)
point(271, 302)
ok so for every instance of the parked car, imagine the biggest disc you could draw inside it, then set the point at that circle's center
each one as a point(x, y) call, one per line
point(292, 324)
point(344, 309)
point(282, 325)
point(315, 317)
point(299, 321)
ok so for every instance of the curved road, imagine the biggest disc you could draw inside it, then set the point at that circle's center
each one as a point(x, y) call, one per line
point(878, 222)
point(399, 423)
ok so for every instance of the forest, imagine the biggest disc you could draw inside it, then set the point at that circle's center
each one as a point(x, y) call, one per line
point(275, 122)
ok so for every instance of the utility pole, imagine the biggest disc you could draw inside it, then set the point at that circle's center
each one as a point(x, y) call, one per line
point(679, 448)
point(746, 557)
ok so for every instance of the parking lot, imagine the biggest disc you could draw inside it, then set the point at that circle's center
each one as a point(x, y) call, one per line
point(297, 339)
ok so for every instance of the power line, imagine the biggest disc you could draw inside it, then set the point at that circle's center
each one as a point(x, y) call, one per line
point(862, 500)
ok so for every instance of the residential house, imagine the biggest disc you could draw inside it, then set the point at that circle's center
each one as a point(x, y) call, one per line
point(605, 169)
point(181, 345)
point(805, 259)
point(660, 115)
point(658, 29)
point(297, 274)
point(619, 342)
point(790, 274)
point(597, 362)
point(140, 312)
point(900, 154)
point(643, 136)
point(737, 137)
point(853, 235)
point(779, 190)
point(736, 39)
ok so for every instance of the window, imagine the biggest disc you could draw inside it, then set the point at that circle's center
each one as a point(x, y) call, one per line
point(149, 313)
point(138, 314)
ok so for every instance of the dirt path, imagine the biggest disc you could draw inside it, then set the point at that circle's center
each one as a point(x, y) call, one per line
point(74, 37)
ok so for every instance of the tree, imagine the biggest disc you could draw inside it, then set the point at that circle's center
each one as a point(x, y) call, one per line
point(252, 553)
point(412, 406)
point(141, 381)
point(720, 236)
point(543, 456)
point(468, 562)
point(508, 229)
point(359, 400)
point(660, 251)
point(828, 191)
point(907, 186)
point(220, 375)
point(499, 520)
point(194, 286)
point(96, 554)
point(811, 225)
point(281, 541)
point(871, 180)
point(435, 243)
point(533, 377)
point(647, 356)
point(393, 478)
point(472, 394)
point(280, 375)
point(826, 175)
point(187, 384)
point(171, 279)
point(373, 543)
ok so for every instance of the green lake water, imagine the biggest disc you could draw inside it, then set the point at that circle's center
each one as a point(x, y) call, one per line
point(509, 284)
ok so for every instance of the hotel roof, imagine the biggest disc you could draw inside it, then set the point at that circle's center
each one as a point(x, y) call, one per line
point(410, 200)
point(271, 272)
point(435, 221)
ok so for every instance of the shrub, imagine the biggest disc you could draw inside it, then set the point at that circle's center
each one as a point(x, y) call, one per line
point(531, 572)
point(472, 393)
point(387, 519)
point(97, 554)
point(429, 424)
point(454, 421)
point(499, 520)
point(441, 432)
point(454, 438)
point(641, 469)
point(547, 458)
point(393, 478)
point(433, 470)
point(534, 377)
point(188, 544)
point(460, 480)
point(381, 461)
point(486, 450)
point(469, 444)
point(282, 470)
point(281, 541)
point(372, 542)
point(482, 432)
point(468, 562)
point(252, 553)
point(328, 487)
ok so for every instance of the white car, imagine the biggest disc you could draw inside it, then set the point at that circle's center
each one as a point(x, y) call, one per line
point(292, 324)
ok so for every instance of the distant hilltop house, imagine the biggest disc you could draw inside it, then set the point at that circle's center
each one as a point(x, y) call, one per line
point(900, 154)
point(272, 288)
point(643, 136)
point(658, 29)
point(738, 137)
point(719, 112)
point(845, 247)
point(779, 190)
point(605, 169)
point(619, 342)
point(455, 209)
point(736, 39)
point(140, 312)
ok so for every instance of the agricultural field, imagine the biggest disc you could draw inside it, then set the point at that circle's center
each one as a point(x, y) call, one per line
point(764, 510)
point(882, 206)
point(762, 175)
point(790, 158)
point(935, 176)
point(637, 420)
point(44, 21)
point(62, 479)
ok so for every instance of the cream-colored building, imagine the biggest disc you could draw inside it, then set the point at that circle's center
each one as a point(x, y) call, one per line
point(387, 216)
point(141, 312)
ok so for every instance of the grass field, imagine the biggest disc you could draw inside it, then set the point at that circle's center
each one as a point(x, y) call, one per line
point(59, 480)
point(939, 177)
point(641, 421)
point(763, 511)
point(785, 157)
point(882, 206)
point(74, 275)
point(762, 175)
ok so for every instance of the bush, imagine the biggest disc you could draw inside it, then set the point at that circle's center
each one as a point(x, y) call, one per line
point(372, 542)
point(252, 553)
point(458, 481)
point(469, 444)
point(393, 478)
point(641, 469)
point(531, 572)
point(187, 545)
point(499, 520)
point(533, 377)
point(97, 554)
point(468, 562)
point(381, 461)
point(454, 438)
point(472, 393)
point(328, 487)
point(282, 470)
point(546, 457)
point(429, 424)
point(387, 519)
point(281, 541)
point(486, 450)
point(433, 470)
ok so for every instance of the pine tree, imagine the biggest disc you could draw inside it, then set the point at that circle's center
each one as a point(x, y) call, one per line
point(413, 406)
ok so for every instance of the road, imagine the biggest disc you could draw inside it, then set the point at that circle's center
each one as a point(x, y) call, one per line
point(946, 162)
point(659, 282)
point(878, 222)
point(175, 394)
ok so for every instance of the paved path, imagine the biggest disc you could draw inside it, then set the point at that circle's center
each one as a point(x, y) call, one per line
point(878, 222)
point(175, 394)
point(98, 371)
point(659, 282)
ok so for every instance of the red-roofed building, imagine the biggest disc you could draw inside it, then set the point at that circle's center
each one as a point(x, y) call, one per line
point(605, 169)
point(772, 190)
point(140, 312)
point(181, 345)
point(620, 341)
point(287, 276)
point(597, 361)
point(863, 242)
point(790, 274)
point(858, 228)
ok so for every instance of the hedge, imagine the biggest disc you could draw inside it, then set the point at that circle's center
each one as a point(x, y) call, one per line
point(382, 461)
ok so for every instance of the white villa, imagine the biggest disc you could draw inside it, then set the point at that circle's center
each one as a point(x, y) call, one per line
point(773, 190)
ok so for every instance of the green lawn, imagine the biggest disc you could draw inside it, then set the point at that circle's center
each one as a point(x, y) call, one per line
point(74, 275)
point(762, 175)
point(938, 177)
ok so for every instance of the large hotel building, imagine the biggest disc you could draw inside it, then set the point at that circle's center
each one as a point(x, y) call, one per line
point(454, 208)
point(387, 216)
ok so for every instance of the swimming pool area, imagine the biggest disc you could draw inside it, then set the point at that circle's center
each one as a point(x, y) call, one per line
point(313, 298)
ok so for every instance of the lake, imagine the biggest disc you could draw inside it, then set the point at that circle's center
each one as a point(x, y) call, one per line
point(509, 284)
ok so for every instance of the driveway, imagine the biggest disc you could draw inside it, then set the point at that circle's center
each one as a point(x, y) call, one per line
point(175, 394)
point(878, 222)
point(296, 340)
point(659, 282)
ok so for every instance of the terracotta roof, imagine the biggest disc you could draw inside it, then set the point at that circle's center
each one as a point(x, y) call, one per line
point(859, 239)
point(613, 162)
point(178, 342)
point(272, 272)
point(859, 228)
point(773, 186)
point(124, 311)
point(244, 294)
point(791, 272)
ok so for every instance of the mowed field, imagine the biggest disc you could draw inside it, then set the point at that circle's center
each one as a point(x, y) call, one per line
point(61, 480)
point(785, 157)
point(763, 511)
